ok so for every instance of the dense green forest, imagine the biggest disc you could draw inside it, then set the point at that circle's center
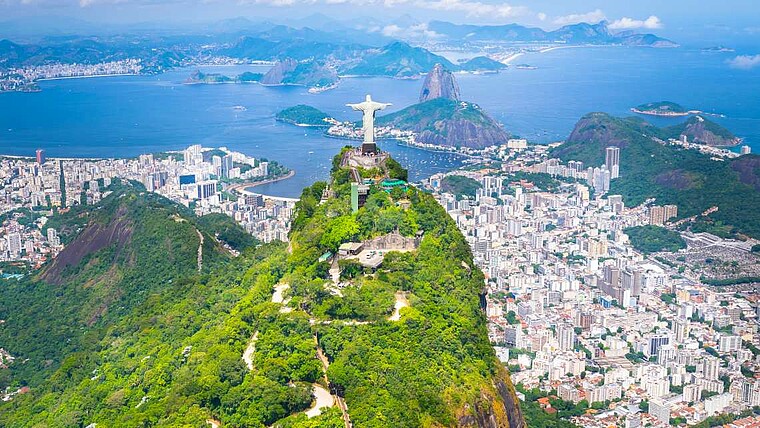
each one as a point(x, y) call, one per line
point(460, 185)
point(651, 239)
point(303, 115)
point(672, 175)
point(127, 331)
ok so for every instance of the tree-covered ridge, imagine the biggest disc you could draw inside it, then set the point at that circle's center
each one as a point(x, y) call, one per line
point(435, 366)
point(671, 174)
point(460, 185)
point(181, 347)
point(303, 115)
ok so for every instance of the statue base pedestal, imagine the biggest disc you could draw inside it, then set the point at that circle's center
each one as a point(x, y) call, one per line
point(357, 158)
point(369, 148)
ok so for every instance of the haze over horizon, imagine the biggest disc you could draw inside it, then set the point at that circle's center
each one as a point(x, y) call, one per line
point(687, 21)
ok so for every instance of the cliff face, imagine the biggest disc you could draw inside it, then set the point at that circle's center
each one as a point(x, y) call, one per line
point(463, 132)
point(499, 411)
point(445, 122)
point(702, 131)
point(439, 83)
point(748, 169)
point(290, 72)
point(279, 71)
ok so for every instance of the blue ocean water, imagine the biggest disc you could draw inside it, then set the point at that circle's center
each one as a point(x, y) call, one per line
point(130, 115)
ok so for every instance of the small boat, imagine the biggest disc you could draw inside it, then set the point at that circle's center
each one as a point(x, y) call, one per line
point(311, 152)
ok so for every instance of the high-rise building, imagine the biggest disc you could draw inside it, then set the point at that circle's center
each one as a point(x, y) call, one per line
point(566, 337)
point(205, 189)
point(745, 150)
point(14, 243)
point(691, 393)
point(654, 343)
point(599, 179)
point(52, 236)
point(670, 211)
point(40, 156)
point(254, 200)
point(226, 166)
point(660, 410)
point(612, 275)
point(612, 161)
point(710, 367)
point(681, 329)
point(656, 215)
point(729, 343)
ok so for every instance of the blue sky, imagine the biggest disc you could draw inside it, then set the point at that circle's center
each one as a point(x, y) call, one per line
point(675, 18)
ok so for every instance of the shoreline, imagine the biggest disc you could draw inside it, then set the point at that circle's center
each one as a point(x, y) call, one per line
point(242, 188)
point(93, 76)
point(660, 114)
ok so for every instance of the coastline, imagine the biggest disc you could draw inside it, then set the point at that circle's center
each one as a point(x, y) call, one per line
point(661, 114)
point(242, 188)
point(87, 77)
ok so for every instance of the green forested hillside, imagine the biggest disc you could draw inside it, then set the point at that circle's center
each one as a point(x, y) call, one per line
point(460, 185)
point(672, 175)
point(651, 239)
point(132, 334)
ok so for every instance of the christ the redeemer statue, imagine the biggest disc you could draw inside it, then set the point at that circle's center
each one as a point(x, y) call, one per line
point(368, 108)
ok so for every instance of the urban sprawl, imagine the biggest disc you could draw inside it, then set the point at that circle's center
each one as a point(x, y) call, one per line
point(574, 310)
point(207, 180)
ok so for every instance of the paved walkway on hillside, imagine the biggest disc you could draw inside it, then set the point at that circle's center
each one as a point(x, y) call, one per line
point(250, 350)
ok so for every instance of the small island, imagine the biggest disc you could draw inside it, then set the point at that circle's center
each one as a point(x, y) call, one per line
point(303, 115)
point(199, 77)
point(663, 108)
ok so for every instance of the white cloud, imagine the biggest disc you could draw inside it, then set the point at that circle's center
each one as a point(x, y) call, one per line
point(541, 16)
point(626, 23)
point(593, 17)
point(274, 3)
point(745, 62)
point(415, 32)
point(392, 30)
point(473, 8)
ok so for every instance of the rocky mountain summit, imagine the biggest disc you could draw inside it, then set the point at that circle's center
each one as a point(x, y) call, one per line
point(703, 131)
point(441, 118)
point(279, 71)
point(439, 83)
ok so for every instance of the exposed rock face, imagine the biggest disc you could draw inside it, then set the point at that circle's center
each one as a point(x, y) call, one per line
point(446, 122)
point(748, 168)
point(439, 83)
point(279, 71)
point(499, 411)
point(463, 132)
point(702, 131)
point(92, 239)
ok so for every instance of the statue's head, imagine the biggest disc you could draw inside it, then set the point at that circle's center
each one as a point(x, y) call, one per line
point(368, 98)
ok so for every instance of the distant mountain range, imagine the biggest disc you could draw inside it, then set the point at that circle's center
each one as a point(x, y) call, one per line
point(576, 34)
point(244, 39)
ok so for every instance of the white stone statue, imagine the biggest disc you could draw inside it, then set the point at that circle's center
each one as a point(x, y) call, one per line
point(369, 107)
